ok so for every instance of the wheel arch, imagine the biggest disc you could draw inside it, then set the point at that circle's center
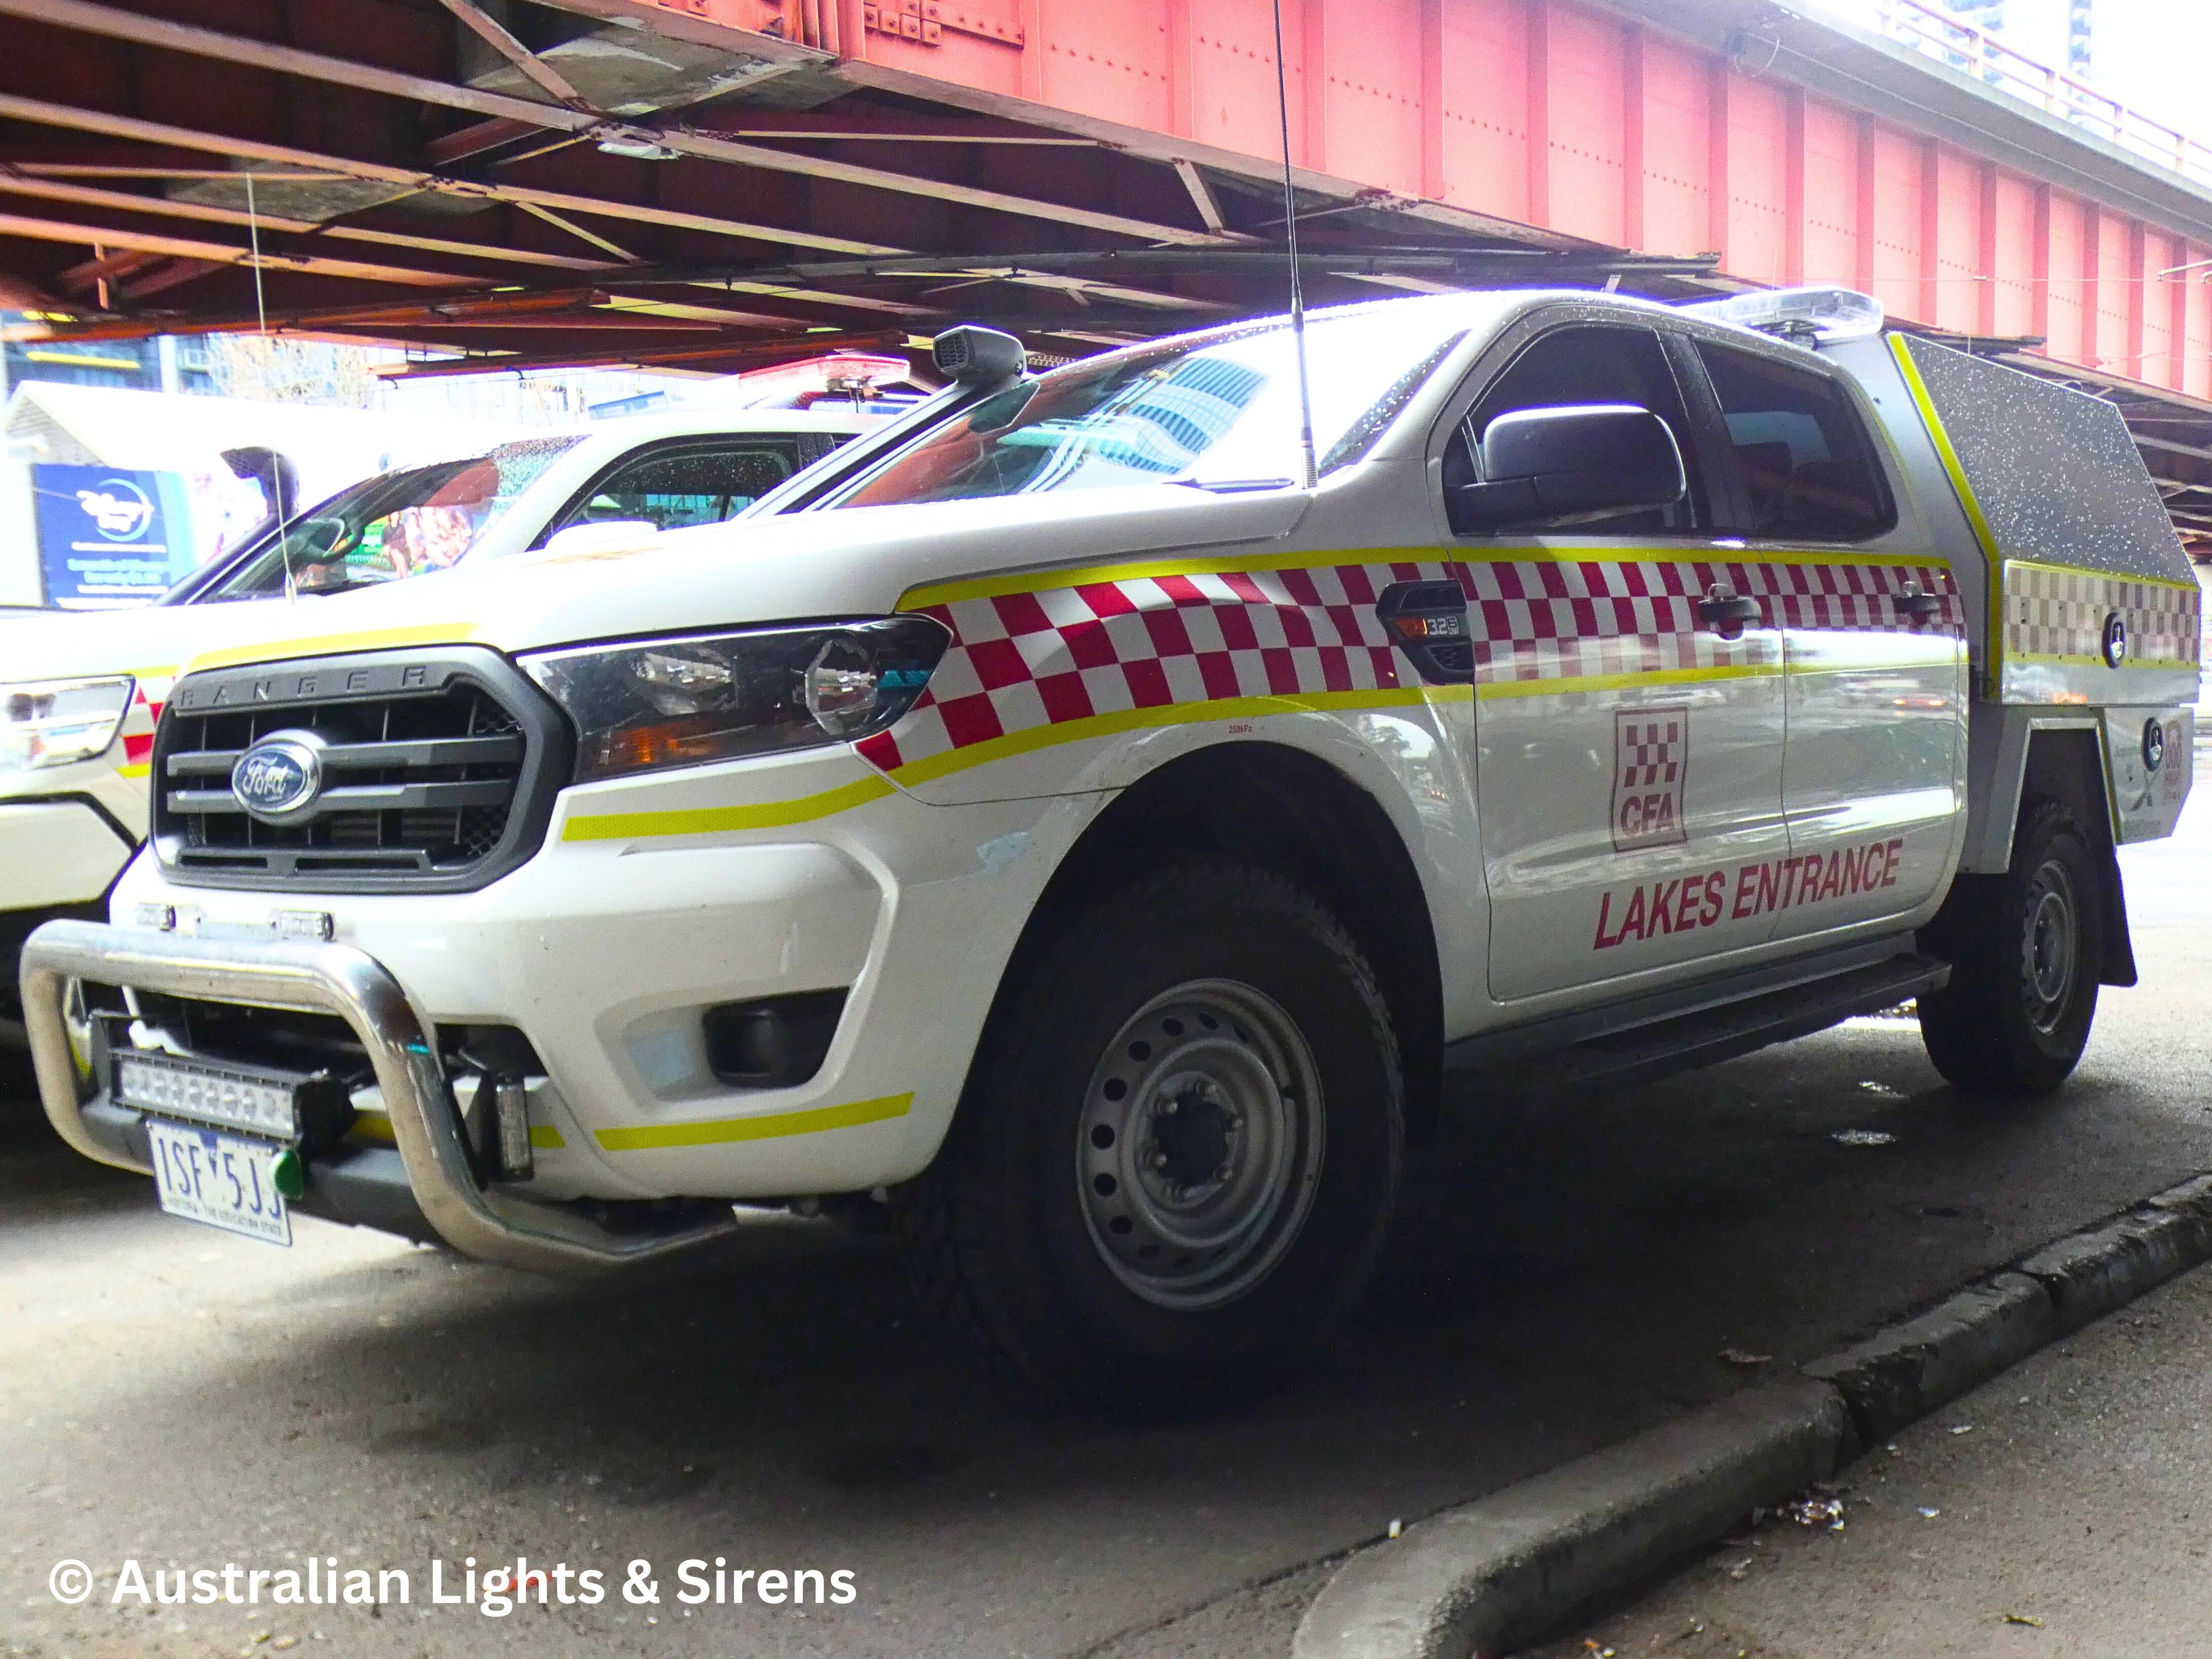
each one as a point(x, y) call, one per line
point(1286, 810)
point(2068, 765)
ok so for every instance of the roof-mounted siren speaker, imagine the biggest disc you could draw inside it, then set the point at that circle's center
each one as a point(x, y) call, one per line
point(978, 356)
point(1804, 316)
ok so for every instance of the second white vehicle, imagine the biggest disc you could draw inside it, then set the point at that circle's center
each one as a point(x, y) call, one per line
point(80, 693)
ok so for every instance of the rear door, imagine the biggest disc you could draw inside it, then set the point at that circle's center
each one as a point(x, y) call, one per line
point(1875, 641)
point(1628, 749)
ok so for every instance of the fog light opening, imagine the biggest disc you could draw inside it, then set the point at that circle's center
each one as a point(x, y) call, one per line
point(771, 1043)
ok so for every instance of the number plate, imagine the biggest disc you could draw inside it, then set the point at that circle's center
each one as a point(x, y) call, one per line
point(219, 1179)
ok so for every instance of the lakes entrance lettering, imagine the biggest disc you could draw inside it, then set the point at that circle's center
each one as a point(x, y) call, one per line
point(1683, 904)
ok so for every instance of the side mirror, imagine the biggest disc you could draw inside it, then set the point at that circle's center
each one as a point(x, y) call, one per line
point(596, 534)
point(975, 355)
point(1570, 465)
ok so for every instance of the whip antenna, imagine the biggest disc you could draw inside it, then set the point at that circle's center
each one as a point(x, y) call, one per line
point(1298, 289)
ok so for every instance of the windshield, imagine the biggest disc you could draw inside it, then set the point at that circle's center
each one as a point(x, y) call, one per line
point(1223, 408)
point(397, 524)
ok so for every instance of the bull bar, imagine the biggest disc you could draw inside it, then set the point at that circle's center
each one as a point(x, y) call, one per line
point(330, 979)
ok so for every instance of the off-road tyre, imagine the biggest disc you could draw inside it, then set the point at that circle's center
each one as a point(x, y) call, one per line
point(2024, 949)
point(1008, 1233)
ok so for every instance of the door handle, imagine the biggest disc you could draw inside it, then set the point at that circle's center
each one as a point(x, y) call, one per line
point(1721, 608)
point(1918, 605)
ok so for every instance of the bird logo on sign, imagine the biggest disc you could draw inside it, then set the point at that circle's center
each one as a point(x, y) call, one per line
point(119, 509)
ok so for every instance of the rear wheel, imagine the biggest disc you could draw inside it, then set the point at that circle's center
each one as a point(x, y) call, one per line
point(1181, 1142)
point(2016, 1015)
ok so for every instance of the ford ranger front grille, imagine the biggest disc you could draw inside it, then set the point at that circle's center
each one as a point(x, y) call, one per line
point(431, 771)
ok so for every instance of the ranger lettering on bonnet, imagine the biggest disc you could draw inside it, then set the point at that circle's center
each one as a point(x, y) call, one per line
point(1064, 828)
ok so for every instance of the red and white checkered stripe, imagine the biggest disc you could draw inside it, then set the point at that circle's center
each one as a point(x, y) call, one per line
point(141, 719)
point(1055, 655)
point(2060, 613)
point(1544, 619)
point(1021, 660)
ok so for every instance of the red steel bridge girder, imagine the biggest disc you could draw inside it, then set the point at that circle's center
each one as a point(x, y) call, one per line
point(1576, 120)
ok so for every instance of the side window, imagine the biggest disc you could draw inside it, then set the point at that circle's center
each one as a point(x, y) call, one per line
point(1599, 364)
point(676, 489)
point(1808, 462)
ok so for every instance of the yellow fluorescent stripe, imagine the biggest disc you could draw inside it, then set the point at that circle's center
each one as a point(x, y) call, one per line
point(711, 820)
point(771, 1127)
point(1133, 719)
point(545, 1138)
point(2048, 661)
point(139, 770)
point(1956, 471)
point(714, 820)
point(1038, 581)
point(2101, 575)
point(325, 645)
point(1491, 690)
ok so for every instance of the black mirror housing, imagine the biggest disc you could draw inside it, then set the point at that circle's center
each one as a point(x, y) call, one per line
point(1569, 465)
point(975, 355)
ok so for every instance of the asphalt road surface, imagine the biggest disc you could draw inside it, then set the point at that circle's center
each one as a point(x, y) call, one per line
point(1567, 1273)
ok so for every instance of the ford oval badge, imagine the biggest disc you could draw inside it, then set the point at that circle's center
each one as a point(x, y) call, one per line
point(279, 778)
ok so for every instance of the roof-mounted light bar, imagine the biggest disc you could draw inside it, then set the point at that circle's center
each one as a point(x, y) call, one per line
point(1809, 316)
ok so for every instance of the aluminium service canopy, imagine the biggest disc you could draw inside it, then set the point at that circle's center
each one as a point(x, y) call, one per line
point(2055, 472)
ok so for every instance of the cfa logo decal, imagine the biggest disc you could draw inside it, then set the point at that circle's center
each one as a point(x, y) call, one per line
point(1650, 765)
point(119, 509)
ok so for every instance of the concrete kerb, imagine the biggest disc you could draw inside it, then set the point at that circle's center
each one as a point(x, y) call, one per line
point(1508, 1569)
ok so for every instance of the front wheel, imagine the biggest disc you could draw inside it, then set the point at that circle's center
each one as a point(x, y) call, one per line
point(2015, 1017)
point(1180, 1145)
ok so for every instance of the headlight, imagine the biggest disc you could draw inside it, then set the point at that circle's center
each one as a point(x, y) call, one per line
point(682, 702)
point(53, 722)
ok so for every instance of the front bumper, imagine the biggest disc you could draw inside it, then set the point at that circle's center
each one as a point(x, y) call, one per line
point(490, 1224)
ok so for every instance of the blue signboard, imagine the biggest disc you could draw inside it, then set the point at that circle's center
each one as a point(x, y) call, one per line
point(108, 536)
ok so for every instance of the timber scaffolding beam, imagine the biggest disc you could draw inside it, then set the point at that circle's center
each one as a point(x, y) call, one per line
point(710, 184)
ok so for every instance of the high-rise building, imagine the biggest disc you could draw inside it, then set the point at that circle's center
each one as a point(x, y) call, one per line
point(2080, 60)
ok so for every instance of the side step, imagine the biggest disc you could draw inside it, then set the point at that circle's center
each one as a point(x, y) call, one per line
point(1639, 1052)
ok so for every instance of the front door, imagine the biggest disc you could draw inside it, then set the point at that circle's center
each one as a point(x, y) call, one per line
point(1628, 705)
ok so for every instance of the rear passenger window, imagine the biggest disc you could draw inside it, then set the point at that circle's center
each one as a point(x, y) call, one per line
point(1807, 463)
point(1591, 365)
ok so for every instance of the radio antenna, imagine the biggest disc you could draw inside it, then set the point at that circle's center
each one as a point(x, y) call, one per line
point(1307, 475)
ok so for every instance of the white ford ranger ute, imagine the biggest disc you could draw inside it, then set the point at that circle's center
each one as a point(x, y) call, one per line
point(1064, 826)
point(81, 693)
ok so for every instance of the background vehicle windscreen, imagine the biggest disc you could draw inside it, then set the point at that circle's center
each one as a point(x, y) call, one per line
point(695, 483)
point(395, 525)
point(1224, 408)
